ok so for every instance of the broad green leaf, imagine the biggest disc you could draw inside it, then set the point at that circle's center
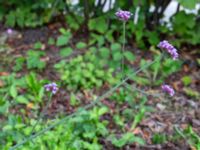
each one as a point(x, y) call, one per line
point(64, 52)
point(62, 40)
point(190, 4)
point(129, 56)
point(98, 24)
point(22, 100)
point(104, 52)
point(13, 91)
point(102, 111)
point(4, 107)
point(81, 45)
point(10, 19)
point(117, 56)
point(116, 47)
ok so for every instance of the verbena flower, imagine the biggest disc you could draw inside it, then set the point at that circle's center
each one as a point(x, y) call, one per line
point(52, 87)
point(168, 89)
point(170, 49)
point(9, 31)
point(123, 15)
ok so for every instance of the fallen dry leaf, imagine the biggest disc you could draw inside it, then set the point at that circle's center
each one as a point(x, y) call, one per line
point(137, 130)
point(4, 73)
point(30, 105)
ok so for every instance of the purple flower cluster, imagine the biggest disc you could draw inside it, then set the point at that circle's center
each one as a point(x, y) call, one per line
point(168, 89)
point(52, 87)
point(123, 15)
point(170, 49)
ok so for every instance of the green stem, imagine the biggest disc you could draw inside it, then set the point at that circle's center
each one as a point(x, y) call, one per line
point(132, 88)
point(84, 108)
point(42, 113)
point(123, 48)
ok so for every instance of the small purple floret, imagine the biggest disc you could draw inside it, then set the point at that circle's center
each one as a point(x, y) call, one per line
point(9, 31)
point(168, 89)
point(51, 87)
point(170, 49)
point(123, 15)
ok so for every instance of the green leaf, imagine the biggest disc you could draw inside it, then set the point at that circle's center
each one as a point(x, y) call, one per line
point(63, 31)
point(81, 45)
point(138, 117)
point(33, 59)
point(22, 100)
point(190, 4)
point(159, 138)
point(117, 56)
point(62, 40)
point(38, 45)
point(73, 100)
point(98, 24)
point(104, 52)
point(19, 63)
point(187, 80)
point(116, 47)
point(10, 19)
point(192, 93)
point(153, 37)
point(102, 111)
point(41, 94)
point(64, 52)
point(126, 138)
point(129, 56)
point(4, 107)
point(13, 91)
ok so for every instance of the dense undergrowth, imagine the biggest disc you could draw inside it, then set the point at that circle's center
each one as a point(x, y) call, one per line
point(104, 92)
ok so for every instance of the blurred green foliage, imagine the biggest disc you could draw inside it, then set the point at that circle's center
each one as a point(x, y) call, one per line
point(147, 29)
point(84, 72)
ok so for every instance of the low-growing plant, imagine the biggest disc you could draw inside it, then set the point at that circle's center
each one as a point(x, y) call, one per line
point(188, 134)
point(32, 61)
point(82, 72)
point(157, 72)
point(81, 132)
point(21, 90)
point(84, 128)
point(159, 138)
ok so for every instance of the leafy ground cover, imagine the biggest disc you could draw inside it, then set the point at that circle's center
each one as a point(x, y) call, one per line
point(137, 115)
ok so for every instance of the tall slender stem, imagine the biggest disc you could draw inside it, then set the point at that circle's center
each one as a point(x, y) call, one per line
point(123, 49)
point(31, 137)
point(42, 113)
